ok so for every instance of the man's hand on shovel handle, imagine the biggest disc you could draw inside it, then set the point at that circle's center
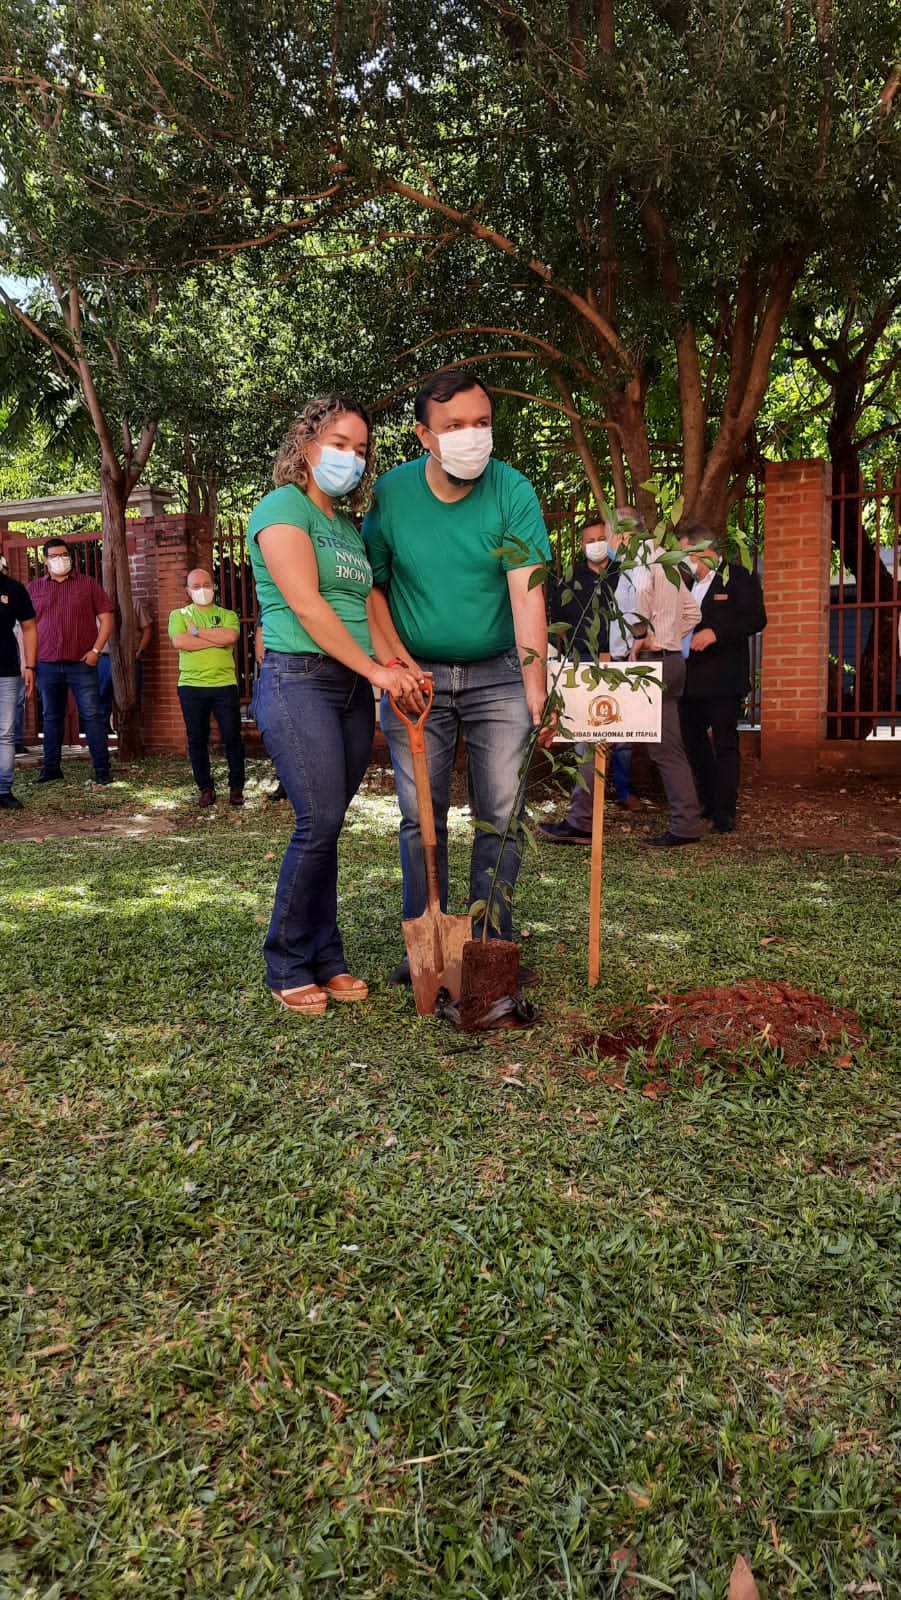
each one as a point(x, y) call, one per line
point(403, 684)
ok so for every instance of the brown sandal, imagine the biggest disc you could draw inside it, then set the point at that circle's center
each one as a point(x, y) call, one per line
point(345, 988)
point(307, 1001)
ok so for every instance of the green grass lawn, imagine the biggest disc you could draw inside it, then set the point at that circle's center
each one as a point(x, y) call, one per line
point(362, 1306)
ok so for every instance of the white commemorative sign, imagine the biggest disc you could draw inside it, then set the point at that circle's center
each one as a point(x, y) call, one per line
point(611, 700)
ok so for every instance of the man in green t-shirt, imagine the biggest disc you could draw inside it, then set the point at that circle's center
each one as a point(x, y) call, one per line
point(465, 613)
point(205, 635)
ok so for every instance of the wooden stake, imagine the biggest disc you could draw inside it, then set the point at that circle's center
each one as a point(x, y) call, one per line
point(597, 864)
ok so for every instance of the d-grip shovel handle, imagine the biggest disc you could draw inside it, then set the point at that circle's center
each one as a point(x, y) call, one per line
point(416, 734)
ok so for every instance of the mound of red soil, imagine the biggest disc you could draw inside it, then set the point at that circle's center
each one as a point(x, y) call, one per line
point(720, 1024)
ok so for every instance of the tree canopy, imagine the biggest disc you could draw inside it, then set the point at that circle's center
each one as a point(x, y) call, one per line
point(606, 207)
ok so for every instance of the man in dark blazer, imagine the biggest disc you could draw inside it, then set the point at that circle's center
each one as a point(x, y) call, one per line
point(718, 673)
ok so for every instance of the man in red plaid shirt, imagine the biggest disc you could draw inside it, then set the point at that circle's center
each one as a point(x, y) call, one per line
point(75, 619)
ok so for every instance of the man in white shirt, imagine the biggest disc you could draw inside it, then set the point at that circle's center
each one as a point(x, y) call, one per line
point(670, 613)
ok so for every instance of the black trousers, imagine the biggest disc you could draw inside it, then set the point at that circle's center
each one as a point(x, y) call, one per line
point(714, 755)
point(197, 706)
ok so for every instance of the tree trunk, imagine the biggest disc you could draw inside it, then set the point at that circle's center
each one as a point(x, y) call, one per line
point(117, 583)
point(626, 407)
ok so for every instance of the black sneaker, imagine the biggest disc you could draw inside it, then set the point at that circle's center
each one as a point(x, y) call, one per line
point(101, 783)
point(49, 777)
point(400, 975)
point(563, 833)
point(8, 802)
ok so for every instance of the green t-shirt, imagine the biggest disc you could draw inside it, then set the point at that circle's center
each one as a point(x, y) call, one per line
point(204, 669)
point(447, 592)
point(345, 576)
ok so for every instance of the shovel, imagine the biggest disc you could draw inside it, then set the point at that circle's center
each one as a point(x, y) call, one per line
point(434, 941)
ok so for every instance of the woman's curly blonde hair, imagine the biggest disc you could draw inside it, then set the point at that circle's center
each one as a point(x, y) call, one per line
point(290, 465)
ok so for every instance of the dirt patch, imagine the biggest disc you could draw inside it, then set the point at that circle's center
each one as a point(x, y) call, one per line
point(722, 1026)
point(33, 829)
point(854, 814)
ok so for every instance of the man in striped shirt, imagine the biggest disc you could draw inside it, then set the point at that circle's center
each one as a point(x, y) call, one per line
point(75, 619)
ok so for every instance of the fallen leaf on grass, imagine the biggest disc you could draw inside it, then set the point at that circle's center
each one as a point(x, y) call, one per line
point(653, 1091)
point(51, 1350)
point(773, 939)
point(639, 1499)
point(625, 1561)
point(741, 1582)
point(846, 1060)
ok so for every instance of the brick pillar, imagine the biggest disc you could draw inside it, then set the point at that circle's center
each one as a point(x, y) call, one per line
point(797, 548)
point(166, 549)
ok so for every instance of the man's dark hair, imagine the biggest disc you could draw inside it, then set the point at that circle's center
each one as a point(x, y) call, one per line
point(597, 521)
point(443, 386)
point(54, 544)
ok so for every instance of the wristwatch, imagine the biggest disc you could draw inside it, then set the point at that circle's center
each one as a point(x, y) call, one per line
point(195, 630)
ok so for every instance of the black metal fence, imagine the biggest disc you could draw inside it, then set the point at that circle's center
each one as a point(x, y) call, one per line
point(865, 609)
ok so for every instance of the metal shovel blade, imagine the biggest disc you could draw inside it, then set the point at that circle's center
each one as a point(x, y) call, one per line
point(435, 951)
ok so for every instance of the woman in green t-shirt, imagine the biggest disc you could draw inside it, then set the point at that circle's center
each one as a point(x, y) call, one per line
point(314, 704)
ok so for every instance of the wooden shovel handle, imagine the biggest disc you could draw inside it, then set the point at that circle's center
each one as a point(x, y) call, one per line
point(416, 734)
point(416, 730)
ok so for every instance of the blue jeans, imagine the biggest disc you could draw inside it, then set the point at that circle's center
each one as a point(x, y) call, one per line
point(55, 679)
point(20, 712)
point(316, 718)
point(486, 702)
point(105, 687)
point(9, 698)
point(223, 703)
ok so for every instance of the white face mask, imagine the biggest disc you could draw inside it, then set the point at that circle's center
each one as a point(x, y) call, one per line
point(59, 565)
point(201, 597)
point(465, 452)
point(595, 549)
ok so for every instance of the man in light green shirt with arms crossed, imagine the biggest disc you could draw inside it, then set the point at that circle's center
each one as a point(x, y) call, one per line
point(205, 635)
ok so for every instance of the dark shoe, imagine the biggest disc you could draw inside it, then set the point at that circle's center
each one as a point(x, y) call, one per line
point(631, 803)
point(20, 748)
point(670, 841)
point(101, 783)
point(8, 802)
point(724, 824)
point(49, 777)
point(236, 797)
point(400, 975)
point(207, 797)
point(563, 833)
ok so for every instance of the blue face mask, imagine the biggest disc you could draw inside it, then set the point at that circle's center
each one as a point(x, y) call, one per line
point(612, 551)
point(338, 472)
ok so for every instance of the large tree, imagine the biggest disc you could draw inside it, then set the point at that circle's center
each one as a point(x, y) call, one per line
point(607, 206)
